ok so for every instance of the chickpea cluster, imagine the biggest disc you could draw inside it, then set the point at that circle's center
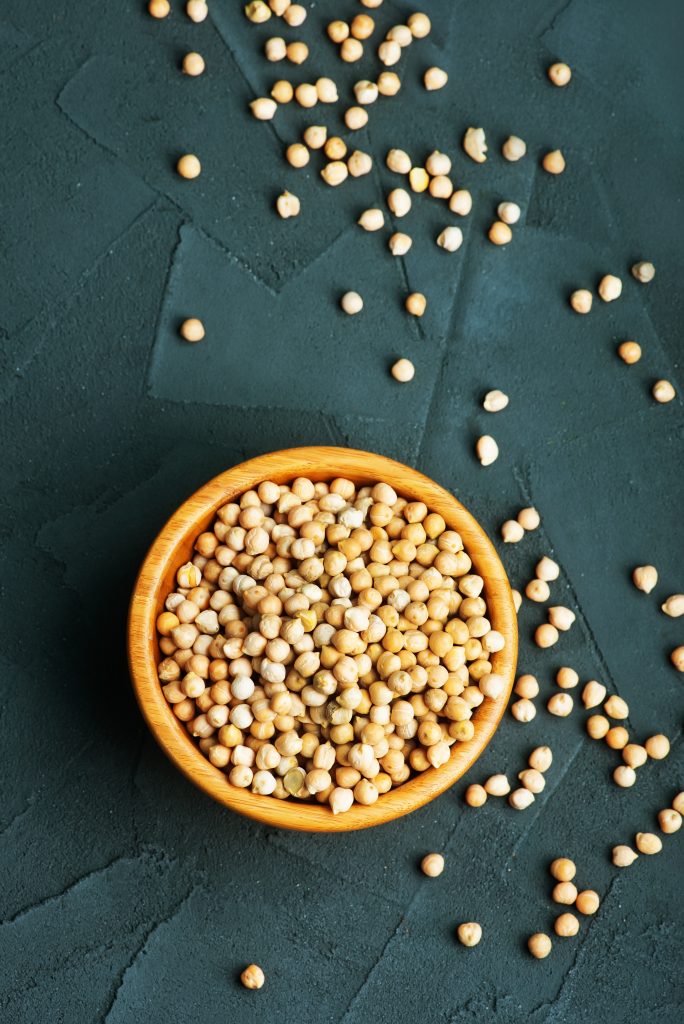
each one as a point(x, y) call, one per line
point(327, 642)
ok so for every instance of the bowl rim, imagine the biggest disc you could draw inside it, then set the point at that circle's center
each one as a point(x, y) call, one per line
point(321, 463)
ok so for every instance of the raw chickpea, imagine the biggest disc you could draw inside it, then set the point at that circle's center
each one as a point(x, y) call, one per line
point(252, 977)
point(539, 945)
point(537, 590)
point(582, 300)
point(294, 15)
point(432, 865)
point(461, 202)
point(415, 303)
point(623, 856)
point(629, 352)
point(634, 755)
point(475, 145)
point(487, 450)
point(540, 759)
point(315, 136)
point(610, 288)
point(193, 64)
point(567, 678)
point(670, 821)
point(554, 162)
point(648, 843)
point(588, 901)
point(512, 532)
point(521, 799)
point(389, 83)
point(663, 391)
point(547, 570)
point(389, 52)
point(263, 109)
point(617, 738)
point(275, 49)
point(624, 776)
point(351, 303)
point(513, 149)
point(297, 52)
point(159, 8)
point(470, 932)
point(523, 710)
point(563, 869)
point(561, 618)
point(326, 90)
point(616, 707)
point(351, 50)
point(197, 10)
point(593, 694)
point(335, 172)
point(306, 95)
point(497, 785)
point(532, 780)
point(673, 606)
point(419, 179)
point(597, 727)
point(399, 202)
point(297, 155)
point(500, 233)
point(435, 78)
point(546, 635)
point(565, 893)
point(566, 925)
point(189, 166)
point(643, 272)
point(338, 31)
point(677, 658)
point(356, 118)
point(362, 26)
point(678, 803)
point(475, 795)
point(559, 74)
point(657, 747)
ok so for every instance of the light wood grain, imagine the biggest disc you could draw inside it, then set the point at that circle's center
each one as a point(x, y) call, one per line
point(174, 545)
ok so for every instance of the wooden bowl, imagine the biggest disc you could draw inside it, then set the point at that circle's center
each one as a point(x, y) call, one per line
point(174, 546)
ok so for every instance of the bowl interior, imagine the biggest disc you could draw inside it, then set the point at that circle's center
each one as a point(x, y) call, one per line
point(175, 544)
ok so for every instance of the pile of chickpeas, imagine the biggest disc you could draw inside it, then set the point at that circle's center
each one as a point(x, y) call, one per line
point(327, 642)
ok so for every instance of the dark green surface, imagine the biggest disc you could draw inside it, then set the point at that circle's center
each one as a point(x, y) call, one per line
point(128, 896)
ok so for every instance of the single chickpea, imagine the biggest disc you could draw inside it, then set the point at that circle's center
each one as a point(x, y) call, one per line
point(495, 401)
point(648, 843)
point(362, 26)
point(359, 163)
point(581, 300)
point(403, 371)
point(470, 932)
point(670, 821)
point(419, 25)
point(399, 202)
point(624, 776)
point(487, 450)
point(351, 50)
point(563, 869)
point(539, 945)
point(554, 162)
point(389, 83)
point(282, 91)
point(610, 288)
point(475, 795)
point(419, 179)
point(315, 136)
point(597, 727)
point(450, 239)
point(500, 233)
point(634, 755)
point(527, 686)
point(294, 15)
point(564, 893)
point(288, 205)
point(617, 738)
point(297, 155)
point(159, 8)
point(335, 172)
point(513, 149)
point(561, 617)
point(629, 352)
point(643, 272)
point(567, 678)
point(673, 606)
point(521, 799)
point(371, 220)
point(257, 12)
point(415, 304)
point(566, 925)
point(435, 78)
point(509, 213)
point(189, 166)
point(197, 10)
point(461, 202)
point(559, 74)
point(532, 780)
point(657, 747)
point(306, 95)
point(297, 52)
point(677, 658)
point(356, 118)
point(193, 64)
point(263, 109)
point(398, 161)
point(389, 52)
point(678, 803)
point(192, 330)
point(432, 865)
point(537, 590)
point(663, 391)
point(540, 759)
point(523, 710)
point(497, 785)
point(338, 31)
point(623, 856)
point(475, 145)
point(593, 694)
point(588, 901)
point(547, 570)
point(351, 303)
point(275, 49)
point(253, 977)
point(560, 705)
point(546, 635)
point(616, 707)
point(326, 90)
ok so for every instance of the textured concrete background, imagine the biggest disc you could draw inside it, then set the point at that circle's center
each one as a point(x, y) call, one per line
point(126, 895)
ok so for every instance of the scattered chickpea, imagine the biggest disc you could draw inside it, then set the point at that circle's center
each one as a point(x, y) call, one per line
point(415, 304)
point(335, 148)
point(287, 205)
point(521, 799)
point(400, 34)
point(435, 78)
point(306, 95)
point(581, 300)
point(526, 686)
point(643, 272)
point(523, 710)
point(351, 303)
point(500, 233)
point(399, 243)
point(532, 780)
point(513, 149)
point(362, 26)
point(673, 606)
point(315, 136)
point(670, 821)
point(371, 220)
point(546, 635)
point(351, 50)
point(565, 893)
point(189, 166)
point(559, 74)
point(517, 599)
point(512, 532)
point(159, 8)
point(282, 91)
point(539, 945)
point(617, 738)
point(508, 212)
point(275, 49)
point(450, 239)
point(560, 704)
point(197, 10)
point(497, 785)
point(263, 109)
point(461, 202)
point(554, 162)
point(563, 869)
point(657, 747)
point(398, 161)
point(355, 118)
point(326, 90)
point(297, 155)
point(540, 759)
point(193, 64)
point(297, 52)
point(475, 145)
point(389, 53)
point(389, 83)
point(678, 803)
point(616, 707)
point(359, 163)
point(629, 352)
point(547, 570)
point(419, 24)
point(278, 7)
point(561, 618)
point(192, 330)
point(295, 15)
point(623, 856)
point(252, 976)
point(487, 450)
point(537, 590)
point(593, 694)
point(645, 577)
point(597, 727)
point(567, 678)
point(624, 776)
point(677, 658)
point(610, 288)
point(588, 902)
point(648, 843)
point(495, 401)
point(403, 370)
point(399, 202)
point(475, 795)
point(366, 92)
point(338, 31)
point(334, 173)
point(419, 179)
point(663, 391)
point(634, 755)
point(432, 865)
point(470, 932)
